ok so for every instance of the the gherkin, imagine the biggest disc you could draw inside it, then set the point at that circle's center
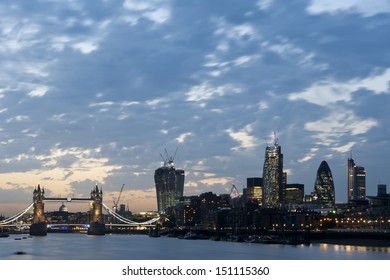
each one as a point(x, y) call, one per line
point(324, 187)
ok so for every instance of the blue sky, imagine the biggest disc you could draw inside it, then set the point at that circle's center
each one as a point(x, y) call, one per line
point(91, 92)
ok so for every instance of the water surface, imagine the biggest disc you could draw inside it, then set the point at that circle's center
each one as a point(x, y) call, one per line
point(75, 246)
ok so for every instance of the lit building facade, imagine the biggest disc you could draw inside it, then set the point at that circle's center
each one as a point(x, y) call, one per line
point(359, 183)
point(293, 193)
point(273, 176)
point(169, 183)
point(255, 189)
point(324, 194)
point(350, 176)
point(356, 181)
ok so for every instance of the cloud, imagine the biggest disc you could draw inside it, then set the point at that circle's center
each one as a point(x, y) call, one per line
point(182, 137)
point(309, 156)
point(325, 93)
point(91, 91)
point(85, 47)
point(39, 91)
point(345, 148)
point(205, 91)
point(157, 11)
point(247, 141)
point(220, 67)
point(239, 33)
point(289, 51)
point(363, 7)
point(264, 4)
point(337, 124)
point(216, 181)
point(19, 118)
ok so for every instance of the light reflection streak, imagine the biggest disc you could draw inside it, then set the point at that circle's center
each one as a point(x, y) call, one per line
point(353, 248)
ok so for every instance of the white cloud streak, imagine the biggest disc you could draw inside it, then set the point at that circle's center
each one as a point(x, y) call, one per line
point(329, 92)
point(363, 7)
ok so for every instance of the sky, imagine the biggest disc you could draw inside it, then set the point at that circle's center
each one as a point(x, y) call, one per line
point(93, 92)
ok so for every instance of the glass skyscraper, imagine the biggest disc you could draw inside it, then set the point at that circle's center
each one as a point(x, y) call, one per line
point(350, 175)
point(356, 181)
point(324, 187)
point(169, 184)
point(273, 176)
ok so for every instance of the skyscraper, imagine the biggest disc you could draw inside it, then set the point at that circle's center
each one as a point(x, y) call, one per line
point(273, 176)
point(359, 183)
point(356, 181)
point(324, 187)
point(169, 184)
point(350, 176)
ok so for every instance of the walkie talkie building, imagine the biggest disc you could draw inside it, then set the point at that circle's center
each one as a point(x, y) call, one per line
point(169, 184)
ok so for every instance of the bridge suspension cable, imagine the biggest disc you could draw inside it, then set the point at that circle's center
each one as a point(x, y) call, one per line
point(127, 221)
point(17, 216)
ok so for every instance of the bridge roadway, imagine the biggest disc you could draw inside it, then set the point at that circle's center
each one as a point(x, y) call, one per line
point(67, 199)
point(80, 225)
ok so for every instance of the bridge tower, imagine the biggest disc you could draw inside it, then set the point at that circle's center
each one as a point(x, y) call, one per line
point(97, 226)
point(38, 226)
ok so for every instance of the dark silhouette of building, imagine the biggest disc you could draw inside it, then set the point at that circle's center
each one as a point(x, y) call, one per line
point(324, 194)
point(381, 202)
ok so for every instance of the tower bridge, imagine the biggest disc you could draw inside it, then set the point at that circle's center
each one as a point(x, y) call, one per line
point(96, 226)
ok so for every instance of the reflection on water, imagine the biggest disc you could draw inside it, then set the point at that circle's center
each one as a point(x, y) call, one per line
point(68, 246)
point(351, 248)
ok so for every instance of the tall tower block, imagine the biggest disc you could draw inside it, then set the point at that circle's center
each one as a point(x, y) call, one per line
point(324, 193)
point(273, 176)
point(169, 183)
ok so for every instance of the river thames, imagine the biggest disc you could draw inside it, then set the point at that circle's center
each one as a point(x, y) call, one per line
point(76, 246)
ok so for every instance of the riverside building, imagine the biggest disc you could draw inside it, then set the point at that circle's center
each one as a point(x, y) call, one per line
point(273, 176)
point(324, 194)
point(169, 183)
point(356, 181)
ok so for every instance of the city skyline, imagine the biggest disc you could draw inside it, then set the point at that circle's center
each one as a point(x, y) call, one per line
point(90, 93)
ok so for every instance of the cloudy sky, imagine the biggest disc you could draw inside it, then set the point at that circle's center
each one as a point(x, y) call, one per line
point(91, 92)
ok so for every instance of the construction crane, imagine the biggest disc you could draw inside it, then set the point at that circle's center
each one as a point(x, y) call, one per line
point(236, 201)
point(115, 207)
point(234, 189)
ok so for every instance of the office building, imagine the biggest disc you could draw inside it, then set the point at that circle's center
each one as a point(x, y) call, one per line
point(356, 181)
point(254, 190)
point(359, 184)
point(273, 176)
point(169, 183)
point(324, 194)
point(350, 176)
point(293, 194)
